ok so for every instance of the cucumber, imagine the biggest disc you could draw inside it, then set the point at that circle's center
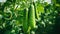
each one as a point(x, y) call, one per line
point(31, 16)
point(25, 20)
point(36, 12)
point(37, 16)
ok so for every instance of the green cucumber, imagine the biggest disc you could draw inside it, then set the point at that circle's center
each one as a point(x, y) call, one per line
point(31, 16)
point(36, 12)
point(25, 20)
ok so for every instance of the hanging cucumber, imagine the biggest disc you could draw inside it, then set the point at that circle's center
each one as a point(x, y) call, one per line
point(25, 20)
point(31, 16)
point(37, 15)
point(36, 12)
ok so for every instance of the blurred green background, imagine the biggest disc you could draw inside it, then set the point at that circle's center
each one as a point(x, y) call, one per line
point(15, 18)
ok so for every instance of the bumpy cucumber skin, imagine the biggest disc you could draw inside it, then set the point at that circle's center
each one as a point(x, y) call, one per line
point(31, 16)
